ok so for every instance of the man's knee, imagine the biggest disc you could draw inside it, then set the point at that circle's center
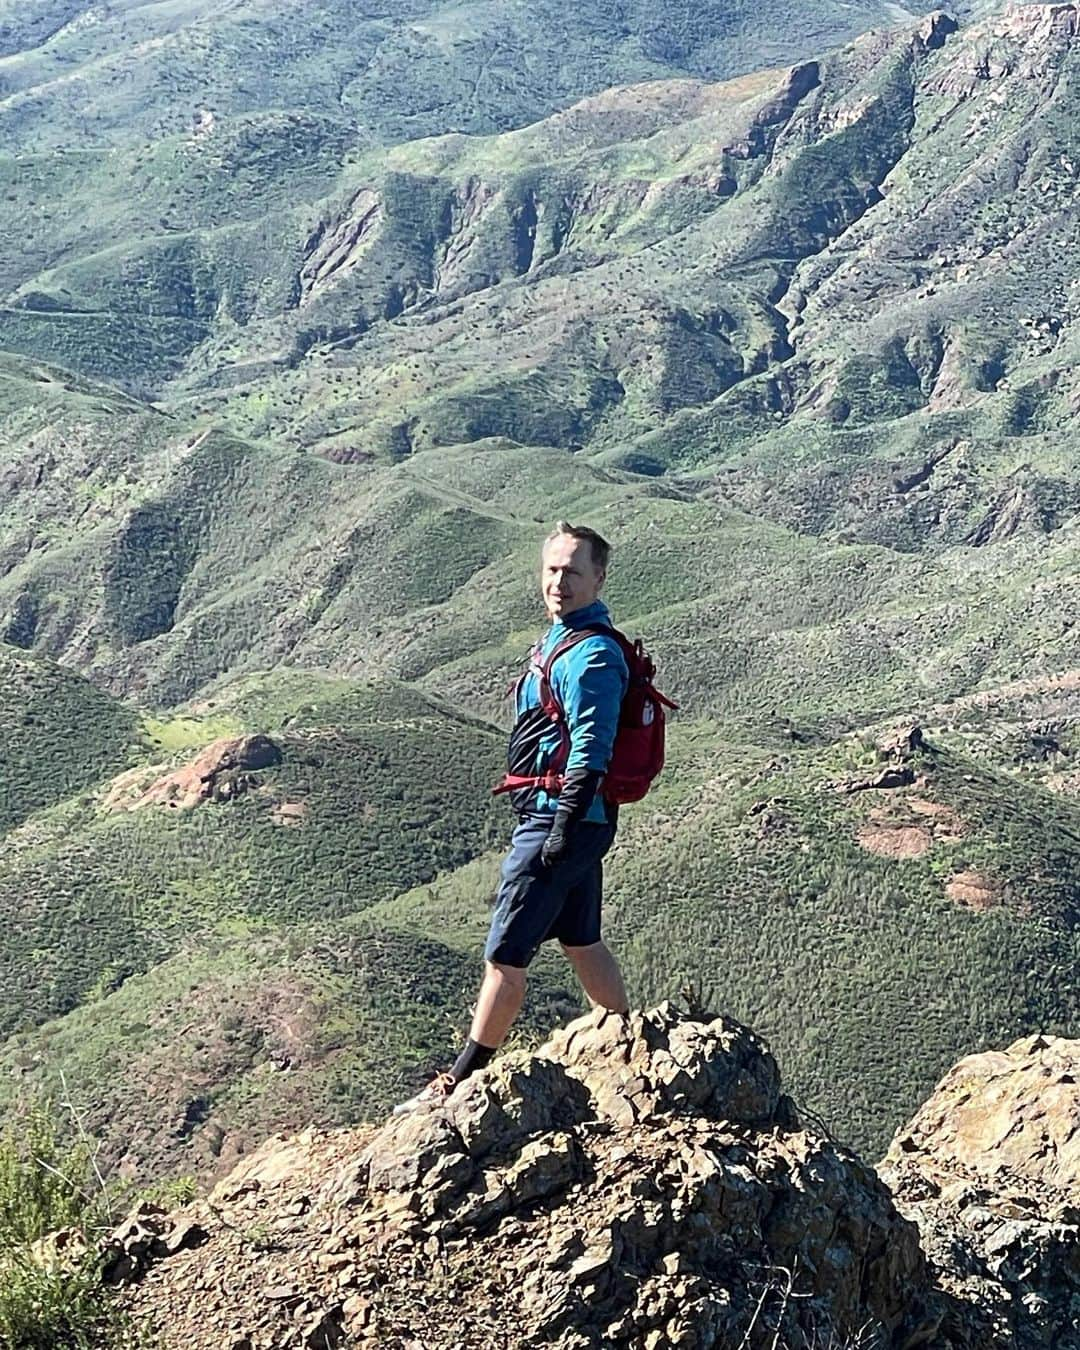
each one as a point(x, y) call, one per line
point(576, 954)
point(511, 975)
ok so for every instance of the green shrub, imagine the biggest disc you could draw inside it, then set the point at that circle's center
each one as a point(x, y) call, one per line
point(51, 1295)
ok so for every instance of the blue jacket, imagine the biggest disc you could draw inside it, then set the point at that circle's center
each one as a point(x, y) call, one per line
point(589, 682)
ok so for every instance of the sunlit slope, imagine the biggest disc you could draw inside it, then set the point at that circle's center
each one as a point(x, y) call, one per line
point(348, 803)
point(259, 1030)
point(671, 275)
point(176, 562)
point(161, 559)
point(77, 74)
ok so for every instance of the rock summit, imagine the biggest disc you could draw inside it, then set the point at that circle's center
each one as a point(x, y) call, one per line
point(641, 1181)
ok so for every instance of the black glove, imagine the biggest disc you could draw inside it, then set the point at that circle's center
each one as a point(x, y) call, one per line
point(575, 798)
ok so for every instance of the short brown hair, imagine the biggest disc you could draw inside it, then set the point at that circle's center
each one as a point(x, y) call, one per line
point(601, 549)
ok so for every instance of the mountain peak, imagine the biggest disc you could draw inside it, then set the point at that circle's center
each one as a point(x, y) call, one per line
point(641, 1180)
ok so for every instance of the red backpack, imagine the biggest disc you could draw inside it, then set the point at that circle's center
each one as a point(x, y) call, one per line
point(638, 754)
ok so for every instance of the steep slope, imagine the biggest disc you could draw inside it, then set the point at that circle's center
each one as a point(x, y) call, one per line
point(161, 559)
point(79, 74)
point(682, 274)
point(58, 734)
point(255, 1027)
point(185, 942)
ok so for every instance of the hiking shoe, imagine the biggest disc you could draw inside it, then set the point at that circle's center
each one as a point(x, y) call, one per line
point(435, 1094)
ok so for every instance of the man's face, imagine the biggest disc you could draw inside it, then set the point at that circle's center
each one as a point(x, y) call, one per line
point(569, 579)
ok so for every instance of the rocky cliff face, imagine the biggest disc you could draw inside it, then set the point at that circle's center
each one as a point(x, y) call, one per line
point(989, 1168)
point(640, 1182)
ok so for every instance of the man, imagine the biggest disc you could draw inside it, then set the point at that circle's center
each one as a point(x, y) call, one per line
point(552, 879)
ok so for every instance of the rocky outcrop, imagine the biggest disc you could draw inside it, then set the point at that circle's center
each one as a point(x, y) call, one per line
point(989, 1168)
point(904, 752)
point(640, 1182)
point(336, 248)
point(219, 773)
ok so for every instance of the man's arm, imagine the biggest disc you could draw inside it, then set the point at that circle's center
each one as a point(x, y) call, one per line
point(590, 691)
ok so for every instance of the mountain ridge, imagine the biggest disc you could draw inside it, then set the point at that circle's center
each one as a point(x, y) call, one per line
point(801, 345)
point(418, 68)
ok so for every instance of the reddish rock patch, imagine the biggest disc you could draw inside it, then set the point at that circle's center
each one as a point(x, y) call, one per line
point(910, 829)
point(944, 822)
point(975, 890)
point(218, 773)
point(894, 839)
point(127, 789)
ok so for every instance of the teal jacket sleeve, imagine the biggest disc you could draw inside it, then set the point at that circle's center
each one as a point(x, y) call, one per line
point(589, 683)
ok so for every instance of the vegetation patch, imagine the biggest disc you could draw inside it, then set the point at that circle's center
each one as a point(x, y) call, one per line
point(54, 1209)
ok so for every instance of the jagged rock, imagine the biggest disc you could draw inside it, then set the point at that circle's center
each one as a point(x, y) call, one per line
point(147, 1235)
point(904, 742)
point(903, 776)
point(641, 1181)
point(219, 773)
point(989, 1168)
point(906, 751)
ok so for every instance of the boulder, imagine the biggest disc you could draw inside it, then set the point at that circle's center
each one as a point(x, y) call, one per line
point(989, 1169)
point(220, 772)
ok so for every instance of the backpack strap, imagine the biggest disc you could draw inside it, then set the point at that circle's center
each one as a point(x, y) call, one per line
point(548, 701)
point(552, 781)
point(639, 666)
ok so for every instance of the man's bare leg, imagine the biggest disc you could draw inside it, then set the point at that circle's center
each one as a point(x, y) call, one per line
point(501, 996)
point(600, 976)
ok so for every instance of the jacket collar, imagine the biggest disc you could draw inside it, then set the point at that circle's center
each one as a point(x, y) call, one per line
point(590, 615)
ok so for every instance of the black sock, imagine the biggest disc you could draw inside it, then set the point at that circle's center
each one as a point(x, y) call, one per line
point(474, 1056)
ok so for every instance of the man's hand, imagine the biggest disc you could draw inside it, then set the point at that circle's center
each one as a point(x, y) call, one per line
point(556, 846)
point(578, 790)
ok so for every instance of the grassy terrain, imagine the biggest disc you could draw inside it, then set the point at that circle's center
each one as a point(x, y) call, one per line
point(309, 985)
point(359, 806)
point(385, 71)
point(289, 401)
point(58, 734)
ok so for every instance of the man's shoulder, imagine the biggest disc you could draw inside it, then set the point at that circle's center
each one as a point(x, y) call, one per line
point(598, 649)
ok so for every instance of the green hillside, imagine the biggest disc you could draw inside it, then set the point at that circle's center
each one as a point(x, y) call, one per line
point(356, 808)
point(382, 71)
point(309, 948)
point(58, 734)
point(288, 401)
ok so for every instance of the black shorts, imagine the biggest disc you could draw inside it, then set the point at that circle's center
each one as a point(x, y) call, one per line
point(536, 902)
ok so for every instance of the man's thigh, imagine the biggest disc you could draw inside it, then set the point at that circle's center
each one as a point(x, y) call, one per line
point(528, 898)
point(532, 896)
point(578, 923)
